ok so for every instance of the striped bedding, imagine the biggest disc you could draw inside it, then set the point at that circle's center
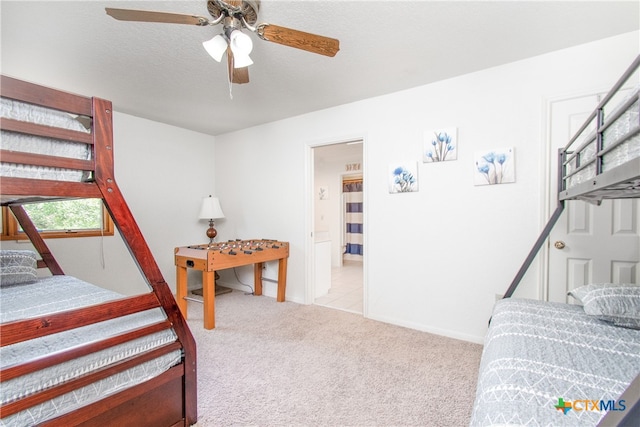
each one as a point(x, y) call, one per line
point(52, 294)
point(14, 141)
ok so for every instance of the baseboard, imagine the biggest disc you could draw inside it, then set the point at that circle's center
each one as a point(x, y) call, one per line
point(267, 290)
point(437, 331)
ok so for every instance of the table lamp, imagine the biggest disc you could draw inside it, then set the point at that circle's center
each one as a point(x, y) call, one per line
point(211, 210)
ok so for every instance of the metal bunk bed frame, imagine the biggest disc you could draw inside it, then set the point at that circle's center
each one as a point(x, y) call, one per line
point(623, 181)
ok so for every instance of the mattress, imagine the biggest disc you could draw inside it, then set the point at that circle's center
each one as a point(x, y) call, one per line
point(52, 294)
point(15, 141)
point(625, 127)
point(538, 356)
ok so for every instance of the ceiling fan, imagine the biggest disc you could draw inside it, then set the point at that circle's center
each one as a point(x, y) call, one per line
point(234, 15)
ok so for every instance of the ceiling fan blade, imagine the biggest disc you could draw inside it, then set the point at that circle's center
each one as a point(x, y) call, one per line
point(150, 16)
point(236, 75)
point(298, 39)
point(240, 75)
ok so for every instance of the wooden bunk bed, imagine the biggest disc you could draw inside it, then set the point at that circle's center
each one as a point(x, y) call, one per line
point(164, 349)
point(547, 363)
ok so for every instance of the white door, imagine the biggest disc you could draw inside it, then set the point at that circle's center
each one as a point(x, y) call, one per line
point(589, 244)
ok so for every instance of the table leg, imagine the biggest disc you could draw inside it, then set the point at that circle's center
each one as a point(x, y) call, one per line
point(209, 297)
point(282, 279)
point(181, 289)
point(257, 278)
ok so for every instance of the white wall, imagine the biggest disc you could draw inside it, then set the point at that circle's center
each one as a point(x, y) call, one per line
point(435, 259)
point(163, 172)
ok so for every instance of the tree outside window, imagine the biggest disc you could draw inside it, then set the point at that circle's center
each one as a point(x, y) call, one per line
point(63, 218)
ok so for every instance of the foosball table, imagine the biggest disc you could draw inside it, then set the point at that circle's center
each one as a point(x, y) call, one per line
point(222, 255)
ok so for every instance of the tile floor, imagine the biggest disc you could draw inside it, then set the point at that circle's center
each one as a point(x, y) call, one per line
point(346, 288)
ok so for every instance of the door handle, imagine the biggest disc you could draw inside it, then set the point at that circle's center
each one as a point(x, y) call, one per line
point(559, 244)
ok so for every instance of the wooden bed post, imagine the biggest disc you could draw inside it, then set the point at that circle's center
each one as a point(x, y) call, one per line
point(135, 242)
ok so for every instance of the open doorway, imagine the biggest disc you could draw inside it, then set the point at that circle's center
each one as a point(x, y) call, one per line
point(338, 226)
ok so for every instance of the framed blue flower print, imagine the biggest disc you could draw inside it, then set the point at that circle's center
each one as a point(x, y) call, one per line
point(440, 145)
point(494, 167)
point(403, 177)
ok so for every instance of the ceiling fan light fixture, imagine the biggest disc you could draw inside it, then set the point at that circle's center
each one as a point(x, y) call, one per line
point(216, 47)
point(234, 15)
point(240, 43)
point(240, 60)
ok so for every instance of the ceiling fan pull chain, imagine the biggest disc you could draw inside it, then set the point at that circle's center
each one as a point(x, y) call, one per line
point(230, 83)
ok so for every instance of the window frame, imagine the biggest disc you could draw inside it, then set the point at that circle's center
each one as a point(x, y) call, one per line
point(11, 229)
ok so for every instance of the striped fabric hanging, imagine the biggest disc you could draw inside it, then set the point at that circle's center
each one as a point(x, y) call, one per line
point(353, 217)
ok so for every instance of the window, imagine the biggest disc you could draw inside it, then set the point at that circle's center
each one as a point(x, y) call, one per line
point(59, 219)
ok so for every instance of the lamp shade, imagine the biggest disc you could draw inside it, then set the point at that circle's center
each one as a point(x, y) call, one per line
point(241, 61)
point(216, 47)
point(211, 208)
point(241, 46)
point(240, 43)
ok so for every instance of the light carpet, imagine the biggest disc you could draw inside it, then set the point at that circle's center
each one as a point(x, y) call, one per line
point(288, 364)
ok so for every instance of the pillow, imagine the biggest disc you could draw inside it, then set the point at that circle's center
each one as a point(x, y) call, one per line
point(615, 303)
point(17, 267)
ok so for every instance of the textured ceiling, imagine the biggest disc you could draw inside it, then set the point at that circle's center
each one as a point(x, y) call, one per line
point(161, 72)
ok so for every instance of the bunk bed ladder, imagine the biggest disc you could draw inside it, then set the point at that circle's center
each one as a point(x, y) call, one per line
point(36, 239)
point(534, 251)
point(135, 242)
point(545, 232)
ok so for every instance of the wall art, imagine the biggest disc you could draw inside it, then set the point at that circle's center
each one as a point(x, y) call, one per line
point(323, 193)
point(403, 177)
point(440, 145)
point(495, 166)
